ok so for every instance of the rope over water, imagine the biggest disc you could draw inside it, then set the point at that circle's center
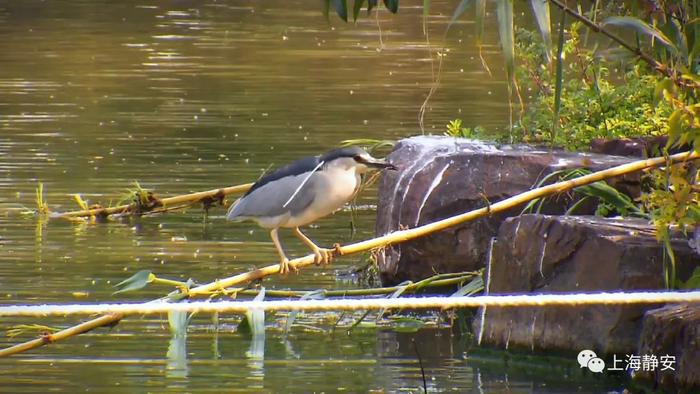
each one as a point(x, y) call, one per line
point(357, 304)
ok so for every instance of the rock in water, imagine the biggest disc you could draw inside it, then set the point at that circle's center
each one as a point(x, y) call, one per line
point(574, 254)
point(442, 176)
point(672, 335)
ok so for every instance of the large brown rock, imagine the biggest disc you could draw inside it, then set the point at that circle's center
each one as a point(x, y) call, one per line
point(440, 176)
point(672, 331)
point(651, 146)
point(635, 147)
point(552, 254)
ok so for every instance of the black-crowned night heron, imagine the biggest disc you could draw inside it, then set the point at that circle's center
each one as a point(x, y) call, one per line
point(302, 192)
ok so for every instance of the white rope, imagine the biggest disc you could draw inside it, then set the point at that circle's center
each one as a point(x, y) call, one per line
point(355, 304)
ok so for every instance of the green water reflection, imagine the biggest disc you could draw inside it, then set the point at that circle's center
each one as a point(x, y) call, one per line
point(185, 96)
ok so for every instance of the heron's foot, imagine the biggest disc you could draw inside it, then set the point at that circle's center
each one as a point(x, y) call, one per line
point(285, 266)
point(323, 256)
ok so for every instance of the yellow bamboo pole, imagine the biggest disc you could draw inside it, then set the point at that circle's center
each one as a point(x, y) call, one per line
point(395, 237)
point(101, 321)
point(188, 199)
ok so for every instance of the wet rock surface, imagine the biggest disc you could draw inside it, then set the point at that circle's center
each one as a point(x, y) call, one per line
point(635, 147)
point(641, 147)
point(551, 254)
point(439, 177)
point(673, 330)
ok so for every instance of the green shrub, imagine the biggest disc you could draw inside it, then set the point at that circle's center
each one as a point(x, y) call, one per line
point(596, 102)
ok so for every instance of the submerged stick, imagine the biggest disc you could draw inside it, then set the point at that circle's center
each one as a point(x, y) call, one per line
point(392, 238)
point(182, 200)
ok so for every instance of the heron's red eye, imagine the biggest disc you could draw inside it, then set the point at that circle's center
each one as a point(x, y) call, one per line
point(358, 159)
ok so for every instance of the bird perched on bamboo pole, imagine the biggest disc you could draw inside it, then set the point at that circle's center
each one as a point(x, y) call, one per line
point(303, 192)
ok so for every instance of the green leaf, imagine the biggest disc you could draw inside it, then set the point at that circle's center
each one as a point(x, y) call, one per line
point(326, 8)
point(479, 17)
point(318, 294)
point(474, 286)
point(137, 281)
point(403, 286)
point(574, 207)
point(614, 54)
point(559, 78)
point(371, 4)
point(178, 322)
point(669, 269)
point(370, 143)
point(694, 281)
point(530, 206)
point(177, 346)
point(461, 7)
point(608, 194)
point(426, 10)
point(665, 84)
point(358, 321)
point(504, 11)
point(254, 321)
point(341, 8)
point(675, 127)
point(541, 10)
point(176, 296)
point(356, 9)
point(406, 324)
point(640, 27)
point(692, 77)
point(392, 5)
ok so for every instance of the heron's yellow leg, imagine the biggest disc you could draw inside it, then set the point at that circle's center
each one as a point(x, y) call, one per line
point(322, 255)
point(284, 261)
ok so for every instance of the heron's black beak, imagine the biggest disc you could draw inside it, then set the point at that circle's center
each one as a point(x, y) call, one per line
point(380, 164)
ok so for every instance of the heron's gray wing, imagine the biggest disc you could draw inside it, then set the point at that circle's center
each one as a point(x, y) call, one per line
point(269, 199)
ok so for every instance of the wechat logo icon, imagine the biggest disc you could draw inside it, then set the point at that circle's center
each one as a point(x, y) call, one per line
point(588, 359)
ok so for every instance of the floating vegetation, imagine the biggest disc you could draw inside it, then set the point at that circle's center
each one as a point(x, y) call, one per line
point(139, 201)
point(22, 329)
point(145, 277)
point(41, 205)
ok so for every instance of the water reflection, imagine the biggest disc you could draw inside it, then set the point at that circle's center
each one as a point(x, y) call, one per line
point(255, 319)
point(256, 361)
point(186, 96)
point(177, 347)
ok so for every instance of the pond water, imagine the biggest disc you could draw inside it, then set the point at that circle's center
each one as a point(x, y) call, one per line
point(184, 96)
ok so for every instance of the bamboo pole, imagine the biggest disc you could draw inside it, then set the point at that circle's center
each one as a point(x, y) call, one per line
point(185, 199)
point(395, 237)
point(106, 320)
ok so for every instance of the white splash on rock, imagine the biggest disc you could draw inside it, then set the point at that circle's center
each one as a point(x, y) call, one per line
point(436, 182)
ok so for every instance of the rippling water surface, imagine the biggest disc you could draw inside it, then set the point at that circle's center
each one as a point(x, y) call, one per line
point(185, 96)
